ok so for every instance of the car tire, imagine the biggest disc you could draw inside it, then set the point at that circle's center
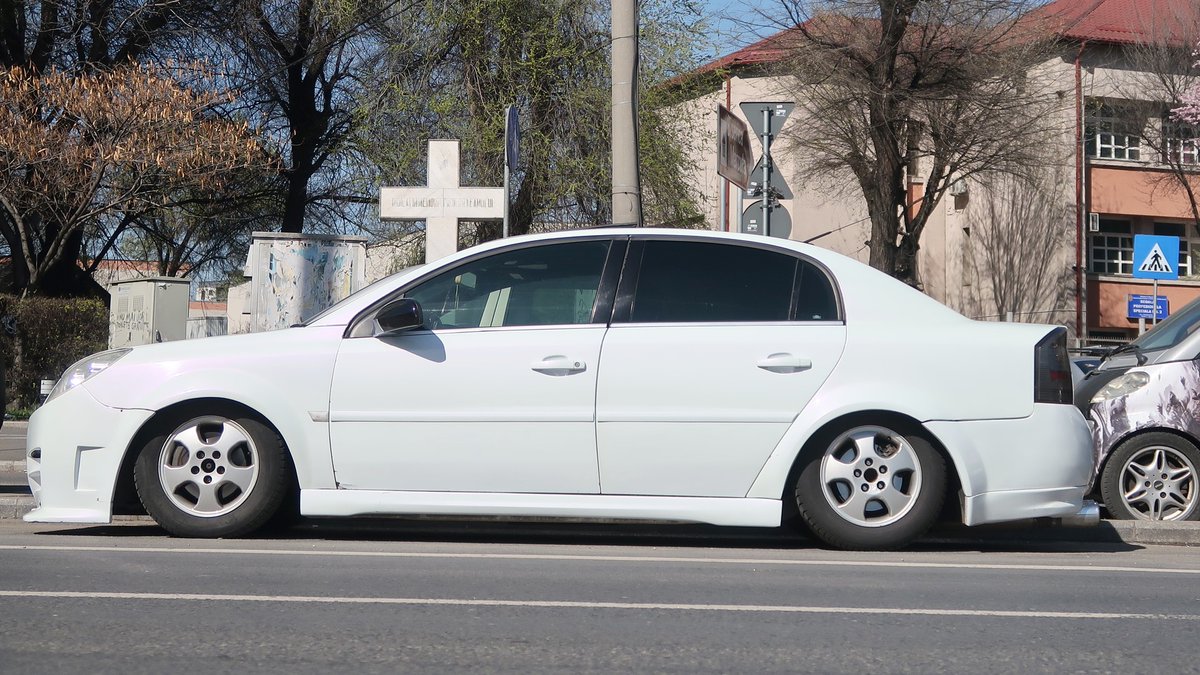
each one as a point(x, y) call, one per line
point(218, 474)
point(1152, 477)
point(870, 487)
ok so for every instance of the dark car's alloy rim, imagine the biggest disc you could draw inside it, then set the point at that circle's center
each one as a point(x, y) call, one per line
point(1159, 483)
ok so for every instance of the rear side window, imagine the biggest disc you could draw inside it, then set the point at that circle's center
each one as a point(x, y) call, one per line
point(815, 299)
point(699, 282)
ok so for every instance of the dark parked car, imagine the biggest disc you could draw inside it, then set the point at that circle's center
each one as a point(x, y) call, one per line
point(1143, 405)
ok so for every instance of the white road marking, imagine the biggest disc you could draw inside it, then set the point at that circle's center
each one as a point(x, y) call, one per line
point(675, 560)
point(572, 604)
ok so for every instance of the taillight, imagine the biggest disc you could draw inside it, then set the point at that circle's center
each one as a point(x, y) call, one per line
point(1052, 369)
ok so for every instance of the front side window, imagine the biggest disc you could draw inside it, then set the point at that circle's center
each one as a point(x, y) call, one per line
point(701, 282)
point(547, 285)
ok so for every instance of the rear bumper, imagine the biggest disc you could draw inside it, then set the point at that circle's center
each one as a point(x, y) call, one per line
point(73, 452)
point(1033, 467)
point(996, 507)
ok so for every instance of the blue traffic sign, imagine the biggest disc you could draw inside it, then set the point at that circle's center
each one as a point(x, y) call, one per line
point(1155, 257)
point(1147, 306)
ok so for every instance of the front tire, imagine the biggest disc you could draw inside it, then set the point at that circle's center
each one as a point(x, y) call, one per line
point(220, 474)
point(1152, 477)
point(870, 487)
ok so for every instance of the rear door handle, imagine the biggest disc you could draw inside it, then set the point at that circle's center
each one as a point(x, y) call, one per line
point(558, 365)
point(783, 362)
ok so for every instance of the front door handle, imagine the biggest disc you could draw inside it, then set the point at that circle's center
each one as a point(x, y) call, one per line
point(783, 362)
point(559, 365)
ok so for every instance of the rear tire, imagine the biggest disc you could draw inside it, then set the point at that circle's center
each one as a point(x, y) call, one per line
point(217, 474)
point(870, 487)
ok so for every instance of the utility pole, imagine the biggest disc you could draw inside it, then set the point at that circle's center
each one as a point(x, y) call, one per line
point(626, 180)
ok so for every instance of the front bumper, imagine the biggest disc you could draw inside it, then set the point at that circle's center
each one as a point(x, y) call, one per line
point(73, 452)
point(1033, 467)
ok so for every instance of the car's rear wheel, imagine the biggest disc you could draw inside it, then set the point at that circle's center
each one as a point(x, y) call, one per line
point(222, 474)
point(870, 487)
point(1152, 477)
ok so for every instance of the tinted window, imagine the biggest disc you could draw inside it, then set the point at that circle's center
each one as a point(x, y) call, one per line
point(703, 282)
point(536, 286)
point(815, 300)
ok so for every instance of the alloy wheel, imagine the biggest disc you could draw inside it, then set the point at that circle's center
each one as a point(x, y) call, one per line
point(870, 476)
point(1159, 483)
point(208, 466)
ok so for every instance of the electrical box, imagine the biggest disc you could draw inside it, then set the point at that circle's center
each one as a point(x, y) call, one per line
point(293, 277)
point(148, 309)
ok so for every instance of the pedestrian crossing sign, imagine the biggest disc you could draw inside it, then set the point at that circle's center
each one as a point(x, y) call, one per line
point(1155, 257)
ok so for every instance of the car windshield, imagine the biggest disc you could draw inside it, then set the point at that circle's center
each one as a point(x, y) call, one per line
point(1172, 331)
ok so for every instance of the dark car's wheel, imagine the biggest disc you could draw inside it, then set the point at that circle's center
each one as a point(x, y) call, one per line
point(870, 487)
point(1152, 477)
point(214, 475)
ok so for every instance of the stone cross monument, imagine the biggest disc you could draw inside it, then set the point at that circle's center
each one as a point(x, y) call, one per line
point(442, 203)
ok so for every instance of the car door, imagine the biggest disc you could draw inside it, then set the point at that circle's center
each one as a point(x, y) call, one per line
point(496, 393)
point(714, 349)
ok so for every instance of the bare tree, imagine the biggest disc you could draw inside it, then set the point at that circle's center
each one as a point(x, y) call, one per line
point(299, 64)
point(893, 93)
point(1158, 79)
point(1018, 229)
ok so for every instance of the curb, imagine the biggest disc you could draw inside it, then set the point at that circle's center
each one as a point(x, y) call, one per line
point(12, 466)
point(13, 507)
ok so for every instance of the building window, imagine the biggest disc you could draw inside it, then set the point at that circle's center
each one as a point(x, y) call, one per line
point(1181, 146)
point(1186, 246)
point(1112, 135)
point(1111, 249)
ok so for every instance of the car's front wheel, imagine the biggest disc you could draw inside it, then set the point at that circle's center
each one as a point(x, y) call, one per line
point(870, 487)
point(220, 474)
point(1152, 477)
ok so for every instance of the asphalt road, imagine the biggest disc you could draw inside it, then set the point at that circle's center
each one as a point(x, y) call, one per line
point(444, 597)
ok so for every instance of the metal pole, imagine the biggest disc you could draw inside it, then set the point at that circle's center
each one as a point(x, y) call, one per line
point(766, 174)
point(626, 184)
point(507, 172)
point(1154, 312)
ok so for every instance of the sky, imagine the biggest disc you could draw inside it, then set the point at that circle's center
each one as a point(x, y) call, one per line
point(726, 14)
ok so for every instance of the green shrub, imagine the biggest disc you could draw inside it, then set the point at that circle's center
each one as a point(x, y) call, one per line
point(42, 337)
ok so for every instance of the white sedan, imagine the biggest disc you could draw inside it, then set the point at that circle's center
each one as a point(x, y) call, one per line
point(611, 373)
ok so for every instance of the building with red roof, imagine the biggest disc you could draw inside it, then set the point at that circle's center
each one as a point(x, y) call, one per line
point(1121, 156)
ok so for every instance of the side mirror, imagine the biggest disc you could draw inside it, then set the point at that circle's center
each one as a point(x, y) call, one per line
point(398, 316)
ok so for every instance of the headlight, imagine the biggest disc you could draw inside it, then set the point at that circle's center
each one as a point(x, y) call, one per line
point(1122, 386)
point(84, 370)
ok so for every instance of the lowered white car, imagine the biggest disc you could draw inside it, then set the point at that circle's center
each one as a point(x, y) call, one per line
point(611, 373)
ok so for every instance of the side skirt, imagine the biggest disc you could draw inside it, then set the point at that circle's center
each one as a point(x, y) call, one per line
point(713, 510)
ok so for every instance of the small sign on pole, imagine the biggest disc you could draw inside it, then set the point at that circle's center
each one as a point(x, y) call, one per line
point(735, 157)
point(1155, 257)
point(1148, 307)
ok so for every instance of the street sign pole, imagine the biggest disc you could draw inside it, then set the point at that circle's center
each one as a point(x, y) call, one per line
point(1155, 257)
point(766, 173)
